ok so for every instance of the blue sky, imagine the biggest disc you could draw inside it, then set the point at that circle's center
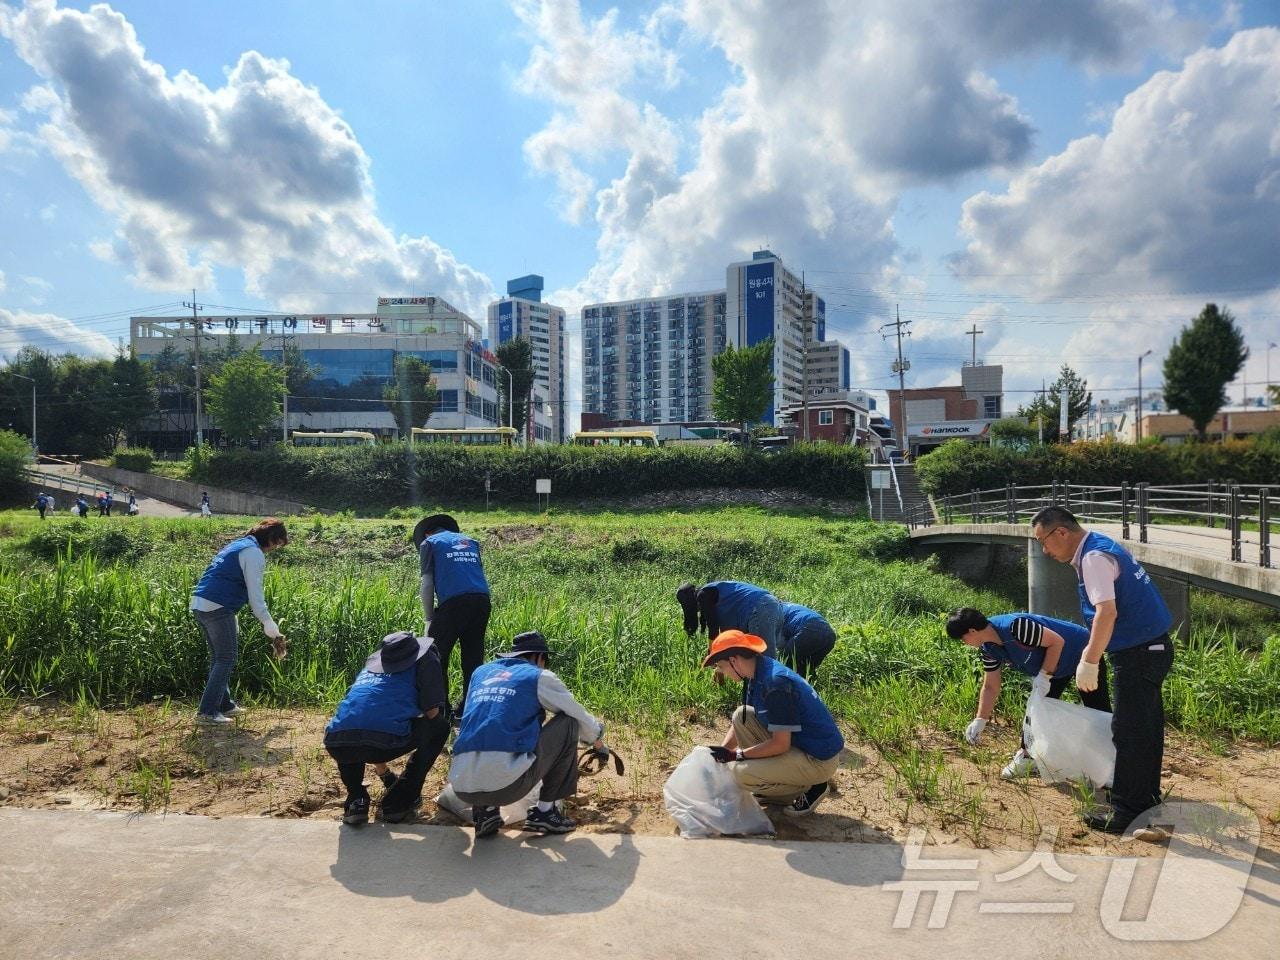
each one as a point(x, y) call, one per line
point(970, 162)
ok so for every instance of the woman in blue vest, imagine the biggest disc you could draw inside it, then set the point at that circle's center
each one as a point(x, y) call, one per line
point(504, 750)
point(1043, 648)
point(783, 744)
point(395, 706)
point(732, 605)
point(1129, 622)
point(454, 594)
point(234, 579)
point(805, 639)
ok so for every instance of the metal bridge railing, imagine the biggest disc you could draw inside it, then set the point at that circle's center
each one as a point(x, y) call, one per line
point(1242, 517)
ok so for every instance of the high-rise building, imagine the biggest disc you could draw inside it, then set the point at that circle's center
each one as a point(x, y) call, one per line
point(521, 313)
point(649, 360)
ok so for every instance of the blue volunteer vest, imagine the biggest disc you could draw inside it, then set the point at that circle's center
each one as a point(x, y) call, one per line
point(223, 581)
point(385, 702)
point(456, 561)
point(736, 602)
point(503, 712)
point(1141, 614)
point(818, 735)
point(1030, 660)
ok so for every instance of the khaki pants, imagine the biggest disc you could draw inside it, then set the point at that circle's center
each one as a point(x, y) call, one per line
point(782, 778)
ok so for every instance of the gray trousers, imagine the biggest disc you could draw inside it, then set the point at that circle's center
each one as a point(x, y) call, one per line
point(555, 763)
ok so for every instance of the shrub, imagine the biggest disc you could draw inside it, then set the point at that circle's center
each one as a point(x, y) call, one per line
point(15, 454)
point(138, 459)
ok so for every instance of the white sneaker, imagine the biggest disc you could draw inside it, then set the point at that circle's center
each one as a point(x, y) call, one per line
point(235, 711)
point(212, 720)
point(1020, 766)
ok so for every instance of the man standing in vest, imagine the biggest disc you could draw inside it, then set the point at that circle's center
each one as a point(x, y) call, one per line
point(233, 579)
point(783, 744)
point(1043, 648)
point(1128, 620)
point(454, 594)
point(503, 749)
point(732, 605)
point(396, 706)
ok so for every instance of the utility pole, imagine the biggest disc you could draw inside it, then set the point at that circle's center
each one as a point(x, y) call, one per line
point(1137, 423)
point(974, 333)
point(900, 367)
point(804, 355)
point(284, 365)
point(195, 322)
point(1040, 415)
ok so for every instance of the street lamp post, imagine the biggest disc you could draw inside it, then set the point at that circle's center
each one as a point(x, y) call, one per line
point(1137, 423)
point(1270, 347)
point(35, 445)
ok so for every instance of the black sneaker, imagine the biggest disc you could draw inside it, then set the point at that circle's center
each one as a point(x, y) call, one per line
point(805, 804)
point(388, 779)
point(400, 816)
point(487, 821)
point(548, 821)
point(355, 812)
point(1107, 822)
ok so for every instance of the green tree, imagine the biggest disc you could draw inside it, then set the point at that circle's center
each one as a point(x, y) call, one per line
point(411, 395)
point(743, 384)
point(243, 398)
point(1045, 411)
point(15, 453)
point(517, 357)
point(1013, 432)
point(1207, 355)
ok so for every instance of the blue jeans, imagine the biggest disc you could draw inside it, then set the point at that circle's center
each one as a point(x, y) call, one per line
point(220, 633)
point(765, 622)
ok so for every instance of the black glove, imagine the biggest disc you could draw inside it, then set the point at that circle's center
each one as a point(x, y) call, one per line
point(723, 754)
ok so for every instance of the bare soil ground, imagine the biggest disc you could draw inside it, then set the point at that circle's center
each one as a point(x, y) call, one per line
point(271, 764)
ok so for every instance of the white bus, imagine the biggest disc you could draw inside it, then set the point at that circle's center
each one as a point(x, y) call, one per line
point(338, 438)
point(472, 437)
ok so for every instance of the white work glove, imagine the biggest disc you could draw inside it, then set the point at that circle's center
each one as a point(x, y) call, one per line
point(973, 732)
point(1086, 676)
point(272, 631)
point(1040, 685)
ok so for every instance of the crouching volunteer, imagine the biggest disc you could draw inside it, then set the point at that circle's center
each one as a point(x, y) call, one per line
point(1044, 648)
point(396, 706)
point(783, 745)
point(731, 605)
point(503, 748)
point(805, 640)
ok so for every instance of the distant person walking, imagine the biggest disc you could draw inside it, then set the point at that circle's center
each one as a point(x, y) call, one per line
point(732, 605)
point(1043, 648)
point(133, 505)
point(42, 504)
point(81, 506)
point(205, 509)
point(102, 503)
point(454, 595)
point(806, 639)
point(233, 579)
point(1129, 621)
point(108, 501)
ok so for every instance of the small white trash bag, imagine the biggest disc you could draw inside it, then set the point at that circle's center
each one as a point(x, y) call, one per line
point(705, 801)
point(1069, 741)
point(511, 813)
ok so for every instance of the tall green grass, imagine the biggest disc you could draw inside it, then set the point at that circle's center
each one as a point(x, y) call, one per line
point(601, 585)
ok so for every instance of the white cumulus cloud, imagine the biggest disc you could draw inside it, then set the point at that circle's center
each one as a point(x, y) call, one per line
point(50, 333)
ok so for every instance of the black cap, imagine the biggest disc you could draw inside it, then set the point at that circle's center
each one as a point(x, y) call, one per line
point(398, 651)
point(526, 643)
point(429, 525)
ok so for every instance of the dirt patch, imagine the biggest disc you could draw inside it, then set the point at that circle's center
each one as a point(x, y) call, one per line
point(724, 497)
point(271, 764)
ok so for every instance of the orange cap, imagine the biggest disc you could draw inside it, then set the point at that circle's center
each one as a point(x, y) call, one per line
point(729, 642)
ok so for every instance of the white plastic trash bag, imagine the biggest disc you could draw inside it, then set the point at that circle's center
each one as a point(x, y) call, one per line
point(1069, 741)
point(511, 813)
point(705, 801)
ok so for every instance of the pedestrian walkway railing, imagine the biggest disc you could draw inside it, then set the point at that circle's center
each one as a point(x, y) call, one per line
point(897, 487)
point(1213, 517)
point(61, 481)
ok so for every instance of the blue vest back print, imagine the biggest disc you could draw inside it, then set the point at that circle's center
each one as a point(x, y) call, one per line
point(818, 735)
point(503, 712)
point(223, 581)
point(1141, 614)
point(735, 602)
point(456, 559)
point(1030, 660)
point(385, 702)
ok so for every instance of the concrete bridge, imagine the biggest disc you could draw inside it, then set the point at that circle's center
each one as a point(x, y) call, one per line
point(1177, 558)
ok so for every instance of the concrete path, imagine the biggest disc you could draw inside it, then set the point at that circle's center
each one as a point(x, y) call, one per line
point(65, 481)
point(88, 885)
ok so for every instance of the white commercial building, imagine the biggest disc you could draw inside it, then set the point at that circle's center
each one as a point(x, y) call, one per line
point(523, 314)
